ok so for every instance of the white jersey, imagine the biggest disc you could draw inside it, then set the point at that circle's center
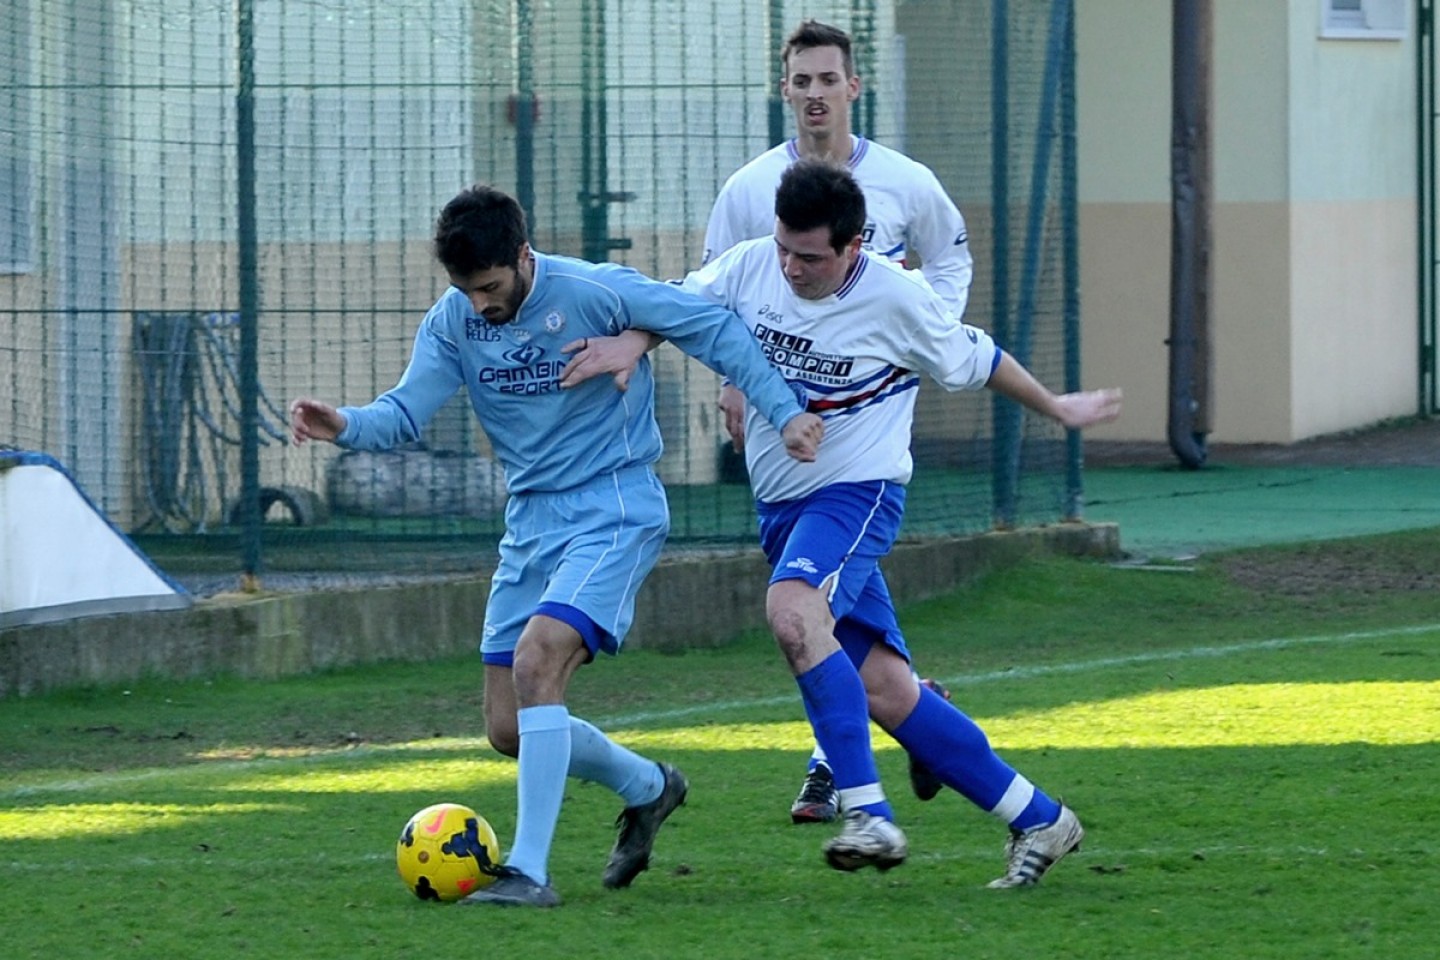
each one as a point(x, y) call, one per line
point(907, 213)
point(855, 356)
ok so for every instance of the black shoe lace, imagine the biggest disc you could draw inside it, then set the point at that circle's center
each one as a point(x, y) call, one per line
point(818, 787)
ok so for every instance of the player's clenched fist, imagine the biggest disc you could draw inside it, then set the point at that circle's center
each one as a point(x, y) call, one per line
point(802, 436)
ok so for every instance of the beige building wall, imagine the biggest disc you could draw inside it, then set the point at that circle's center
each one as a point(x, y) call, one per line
point(1313, 266)
point(1354, 340)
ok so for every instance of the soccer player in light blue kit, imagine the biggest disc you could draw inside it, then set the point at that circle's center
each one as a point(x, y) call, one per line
point(856, 332)
point(586, 517)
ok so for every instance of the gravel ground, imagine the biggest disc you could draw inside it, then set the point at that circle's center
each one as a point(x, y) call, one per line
point(1349, 565)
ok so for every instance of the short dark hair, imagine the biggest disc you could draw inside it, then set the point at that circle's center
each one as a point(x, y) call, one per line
point(813, 33)
point(816, 193)
point(482, 227)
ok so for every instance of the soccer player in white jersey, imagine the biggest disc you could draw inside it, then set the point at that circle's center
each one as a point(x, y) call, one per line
point(908, 214)
point(855, 332)
point(586, 516)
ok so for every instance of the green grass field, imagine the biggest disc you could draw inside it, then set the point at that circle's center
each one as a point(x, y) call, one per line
point(1255, 766)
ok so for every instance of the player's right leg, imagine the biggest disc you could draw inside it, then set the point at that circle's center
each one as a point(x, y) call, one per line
point(546, 656)
point(823, 548)
point(571, 563)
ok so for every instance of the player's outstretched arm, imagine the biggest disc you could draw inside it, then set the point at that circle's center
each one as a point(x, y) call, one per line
point(1074, 411)
point(312, 419)
point(802, 435)
point(618, 356)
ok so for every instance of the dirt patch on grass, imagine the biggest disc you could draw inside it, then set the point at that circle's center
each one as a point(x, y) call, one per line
point(1408, 441)
point(1325, 569)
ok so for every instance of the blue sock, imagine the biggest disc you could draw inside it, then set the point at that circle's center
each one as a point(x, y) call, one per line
point(835, 702)
point(597, 758)
point(957, 751)
point(540, 786)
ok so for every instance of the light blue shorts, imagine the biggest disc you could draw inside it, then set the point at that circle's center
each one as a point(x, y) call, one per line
point(834, 540)
point(581, 551)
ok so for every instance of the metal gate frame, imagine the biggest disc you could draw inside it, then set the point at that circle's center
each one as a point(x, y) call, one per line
point(1429, 226)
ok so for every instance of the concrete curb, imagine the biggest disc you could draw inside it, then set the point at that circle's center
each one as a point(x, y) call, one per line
point(698, 599)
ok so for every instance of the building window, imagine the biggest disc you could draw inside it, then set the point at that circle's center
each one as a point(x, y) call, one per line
point(1364, 19)
point(17, 191)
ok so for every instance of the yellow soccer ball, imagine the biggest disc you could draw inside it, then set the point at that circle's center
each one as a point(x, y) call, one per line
point(446, 852)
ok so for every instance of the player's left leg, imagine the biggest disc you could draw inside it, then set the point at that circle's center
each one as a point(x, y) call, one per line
point(876, 608)
point(954, 747)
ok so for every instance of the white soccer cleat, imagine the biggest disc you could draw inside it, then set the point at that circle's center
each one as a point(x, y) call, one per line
point(1031, 854)
point(866, 841)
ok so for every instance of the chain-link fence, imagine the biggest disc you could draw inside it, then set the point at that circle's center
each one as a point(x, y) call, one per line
point(207, 208)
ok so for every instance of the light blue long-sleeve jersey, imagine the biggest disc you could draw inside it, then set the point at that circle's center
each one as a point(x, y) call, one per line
point(547, 438)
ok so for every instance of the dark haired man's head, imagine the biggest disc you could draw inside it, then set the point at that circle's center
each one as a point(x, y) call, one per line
point(814, 193)
point(820, 84)
point(812, 34)
point(481, 242)
point(819, 217)
point(481, 227)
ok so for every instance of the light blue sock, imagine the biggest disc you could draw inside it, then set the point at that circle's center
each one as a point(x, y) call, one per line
point(597, 758)
point(957, 751)
point(540, 786)
point(835, 702)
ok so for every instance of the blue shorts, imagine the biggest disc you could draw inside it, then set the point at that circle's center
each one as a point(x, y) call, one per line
point(578, 555)
point(833, 540)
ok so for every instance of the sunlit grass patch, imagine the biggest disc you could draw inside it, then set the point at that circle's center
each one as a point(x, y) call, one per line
point(1257, 714)
point(68, 820)
point(1263, 714)
point(393, 776)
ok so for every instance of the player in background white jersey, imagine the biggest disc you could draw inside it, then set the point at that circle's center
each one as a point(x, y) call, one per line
point(908, 214)
point(586, 516)
point(855, 332)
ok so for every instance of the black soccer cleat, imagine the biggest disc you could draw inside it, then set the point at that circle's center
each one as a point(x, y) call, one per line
point(638, 827)
point(512, 888)
point(818, 801)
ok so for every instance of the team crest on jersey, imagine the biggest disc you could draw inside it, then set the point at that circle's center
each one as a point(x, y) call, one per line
point(554, 322)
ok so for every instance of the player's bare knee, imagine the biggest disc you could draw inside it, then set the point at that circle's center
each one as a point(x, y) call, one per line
point(788, 626)
point(534, 672)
